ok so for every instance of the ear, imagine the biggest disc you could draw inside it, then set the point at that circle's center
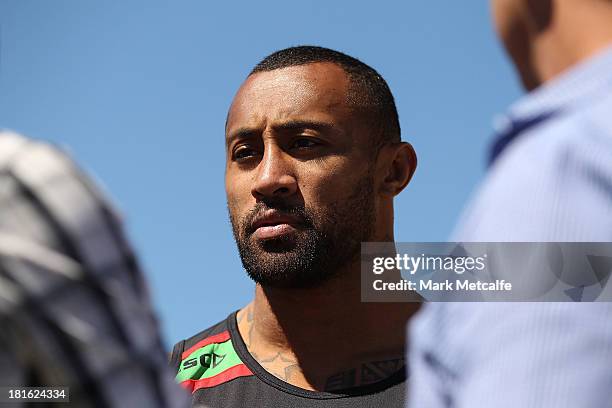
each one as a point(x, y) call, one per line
point(397, 163)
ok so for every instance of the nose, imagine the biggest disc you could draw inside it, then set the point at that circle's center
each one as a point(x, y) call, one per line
point(275, 178)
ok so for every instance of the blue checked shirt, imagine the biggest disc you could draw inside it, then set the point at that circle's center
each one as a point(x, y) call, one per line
point(550, 179)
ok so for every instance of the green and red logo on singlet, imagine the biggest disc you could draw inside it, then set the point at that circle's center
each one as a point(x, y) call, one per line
point(210, 362)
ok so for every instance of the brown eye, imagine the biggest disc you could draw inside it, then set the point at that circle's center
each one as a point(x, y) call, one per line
point(304, 143)
point(244, 153)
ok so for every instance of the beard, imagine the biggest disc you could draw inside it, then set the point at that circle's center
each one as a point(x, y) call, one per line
point(326, 240)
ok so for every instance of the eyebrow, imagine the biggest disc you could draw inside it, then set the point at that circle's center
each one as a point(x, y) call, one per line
point(246, 132)
point(241, 133)
point(304, 124)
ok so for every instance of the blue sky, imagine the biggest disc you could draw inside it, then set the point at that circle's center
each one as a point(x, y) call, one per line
point(138, 92)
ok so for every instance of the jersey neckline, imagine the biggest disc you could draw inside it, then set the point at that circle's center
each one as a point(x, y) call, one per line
point(261, 373)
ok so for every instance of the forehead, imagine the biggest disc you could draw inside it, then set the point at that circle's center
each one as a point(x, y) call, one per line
point(312, 91)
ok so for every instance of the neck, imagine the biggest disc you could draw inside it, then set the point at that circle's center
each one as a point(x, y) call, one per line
point(294, 332)
point(578, 30)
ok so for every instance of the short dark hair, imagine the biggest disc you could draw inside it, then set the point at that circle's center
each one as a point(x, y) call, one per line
point(368, 92)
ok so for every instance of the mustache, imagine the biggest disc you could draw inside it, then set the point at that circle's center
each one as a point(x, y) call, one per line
point(282, 208)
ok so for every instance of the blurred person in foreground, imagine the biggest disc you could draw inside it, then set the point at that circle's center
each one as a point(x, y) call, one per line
point(550, 179)
point(74, 308)
point(314, 159)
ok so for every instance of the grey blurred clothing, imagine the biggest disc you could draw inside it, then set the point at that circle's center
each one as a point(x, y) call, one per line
point(550, 179)
point(74, 308)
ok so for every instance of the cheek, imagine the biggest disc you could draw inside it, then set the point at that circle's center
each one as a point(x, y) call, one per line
point(504, 13)
point(508, 16)
point(238, 194)
point(328, 185)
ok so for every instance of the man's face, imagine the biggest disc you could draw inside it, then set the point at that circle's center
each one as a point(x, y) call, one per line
point(299, 179)
point(506, 14)
point(517, 22)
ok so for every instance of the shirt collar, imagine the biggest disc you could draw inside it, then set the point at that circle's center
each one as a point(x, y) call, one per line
point(571, 89)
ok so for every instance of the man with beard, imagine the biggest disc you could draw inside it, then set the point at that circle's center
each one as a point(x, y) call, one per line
point(314, 160)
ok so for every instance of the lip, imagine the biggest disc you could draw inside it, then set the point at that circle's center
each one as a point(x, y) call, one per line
point(273, 224)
